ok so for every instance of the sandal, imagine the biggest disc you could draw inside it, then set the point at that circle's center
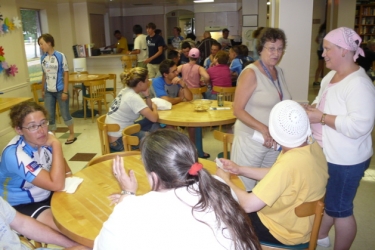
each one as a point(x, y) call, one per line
point(70, 141)
point(205, 155)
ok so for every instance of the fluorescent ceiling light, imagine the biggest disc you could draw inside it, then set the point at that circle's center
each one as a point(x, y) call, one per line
point(203, 1)
point(268, 3)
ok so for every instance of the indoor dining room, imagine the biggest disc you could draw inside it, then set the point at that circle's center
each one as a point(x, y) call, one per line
point(81, 214)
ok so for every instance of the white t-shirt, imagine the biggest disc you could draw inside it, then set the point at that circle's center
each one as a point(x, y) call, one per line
point(140, 43)
point(162, 220)
point(224, 42)
point(124, 110)
point(8, 238)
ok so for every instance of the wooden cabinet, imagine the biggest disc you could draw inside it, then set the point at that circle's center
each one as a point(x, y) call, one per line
point(365, 21)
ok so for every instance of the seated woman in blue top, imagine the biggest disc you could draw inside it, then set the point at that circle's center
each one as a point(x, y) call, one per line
point(32, 164)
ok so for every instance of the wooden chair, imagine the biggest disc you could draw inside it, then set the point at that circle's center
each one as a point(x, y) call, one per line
point(111, 157)
point(77, 88)
point(128, 138)
point(103, 129)
point(37, 88)
point(32, 244)
point(197, 92)
point(305, 209)
point(226, 139)
point(112, 91)
point(228, 92)
point(96, 94)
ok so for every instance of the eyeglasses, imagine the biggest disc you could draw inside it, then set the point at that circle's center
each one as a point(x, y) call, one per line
point(35, 127)
point(273, 50)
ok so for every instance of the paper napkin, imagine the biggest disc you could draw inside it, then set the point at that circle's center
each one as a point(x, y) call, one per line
point(71, 184)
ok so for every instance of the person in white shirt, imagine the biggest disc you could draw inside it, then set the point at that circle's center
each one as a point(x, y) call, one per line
point(187, 208)
point(11, 220)
point(140, 46)
point(224, 40)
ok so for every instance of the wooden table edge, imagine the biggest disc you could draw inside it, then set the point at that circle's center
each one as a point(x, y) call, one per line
point(197, 124)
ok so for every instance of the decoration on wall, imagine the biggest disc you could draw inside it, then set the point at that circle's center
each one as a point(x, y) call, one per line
point(11, 70)
point(6, 27)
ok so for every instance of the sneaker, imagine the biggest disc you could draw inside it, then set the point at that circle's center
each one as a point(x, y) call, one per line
point(324, 242)
point(316, 83)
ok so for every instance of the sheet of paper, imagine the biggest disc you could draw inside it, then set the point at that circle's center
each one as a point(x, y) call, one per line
point(71, 184)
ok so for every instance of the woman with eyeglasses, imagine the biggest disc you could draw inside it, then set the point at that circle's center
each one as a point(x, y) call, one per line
point(260, 86)
point(32, 164)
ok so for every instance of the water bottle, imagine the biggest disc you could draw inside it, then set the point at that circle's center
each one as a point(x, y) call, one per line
point(220, 100)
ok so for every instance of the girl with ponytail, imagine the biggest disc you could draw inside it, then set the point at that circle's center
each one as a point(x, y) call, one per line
point(187, 208)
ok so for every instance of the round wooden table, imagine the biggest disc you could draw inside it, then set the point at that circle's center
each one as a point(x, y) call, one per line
point(84, 78)
point(183, 114)
point(80, 216)
point(73, 78)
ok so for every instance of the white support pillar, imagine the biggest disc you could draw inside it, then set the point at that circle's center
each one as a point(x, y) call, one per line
point(295, 18)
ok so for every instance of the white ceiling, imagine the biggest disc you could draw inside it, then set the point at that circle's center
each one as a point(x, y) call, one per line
point(133, 3)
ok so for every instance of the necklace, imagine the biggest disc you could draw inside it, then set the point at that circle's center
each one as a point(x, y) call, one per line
point(279, 89)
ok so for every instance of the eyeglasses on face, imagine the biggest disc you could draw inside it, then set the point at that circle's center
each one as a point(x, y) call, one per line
point(35, 127)
point(273, 49)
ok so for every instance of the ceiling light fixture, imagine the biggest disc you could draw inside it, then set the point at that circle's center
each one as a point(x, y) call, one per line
point(268, 3)
point(203, 1)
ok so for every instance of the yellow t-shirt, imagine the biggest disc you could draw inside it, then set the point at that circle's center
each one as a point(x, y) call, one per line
point(299, 175)
point(122, 44)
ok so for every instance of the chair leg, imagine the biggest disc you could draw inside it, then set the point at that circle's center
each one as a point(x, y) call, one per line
point(92, 111)
point(84, 108)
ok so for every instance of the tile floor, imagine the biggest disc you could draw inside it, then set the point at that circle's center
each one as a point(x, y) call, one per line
point(87, 146)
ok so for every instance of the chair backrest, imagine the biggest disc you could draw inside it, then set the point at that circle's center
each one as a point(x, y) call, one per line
point(111, 157)
point(226, 139)
point(103, 133)
point(128, 139)
point(197, 92)
point(312, 208)
point(97, 89)
point(228, 92)
point(36, 88)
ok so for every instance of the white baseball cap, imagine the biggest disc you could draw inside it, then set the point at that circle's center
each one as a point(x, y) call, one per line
point(289, 124)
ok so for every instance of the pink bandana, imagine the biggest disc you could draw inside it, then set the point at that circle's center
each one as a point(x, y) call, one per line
point(346, 38)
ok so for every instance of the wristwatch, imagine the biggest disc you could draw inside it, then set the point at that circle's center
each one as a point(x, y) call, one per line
point(127, 192)
point(322, 121)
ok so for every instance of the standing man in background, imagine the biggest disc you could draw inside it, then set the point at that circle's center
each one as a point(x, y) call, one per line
point(155, 44)
point(121, 45)
point(205, 46)
point(140, 46)
point(224, 41)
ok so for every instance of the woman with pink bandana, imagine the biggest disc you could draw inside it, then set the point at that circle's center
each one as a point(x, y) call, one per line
point(342, 118)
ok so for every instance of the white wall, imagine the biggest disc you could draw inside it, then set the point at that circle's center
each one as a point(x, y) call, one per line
point(12, 43)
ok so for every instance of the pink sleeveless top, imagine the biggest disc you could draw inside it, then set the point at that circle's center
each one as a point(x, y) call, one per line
point(190, 75)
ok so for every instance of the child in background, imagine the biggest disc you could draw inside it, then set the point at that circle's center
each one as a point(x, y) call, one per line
point(219, 73)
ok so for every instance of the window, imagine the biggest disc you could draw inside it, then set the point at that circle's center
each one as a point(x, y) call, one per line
point(31, 32)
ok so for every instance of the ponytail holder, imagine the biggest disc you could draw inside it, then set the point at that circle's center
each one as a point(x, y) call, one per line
point(195, 168)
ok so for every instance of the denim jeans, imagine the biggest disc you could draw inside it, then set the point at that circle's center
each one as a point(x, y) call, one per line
point(50, 100)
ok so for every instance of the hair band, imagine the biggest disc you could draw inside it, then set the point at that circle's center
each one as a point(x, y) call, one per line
point(195, 168)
